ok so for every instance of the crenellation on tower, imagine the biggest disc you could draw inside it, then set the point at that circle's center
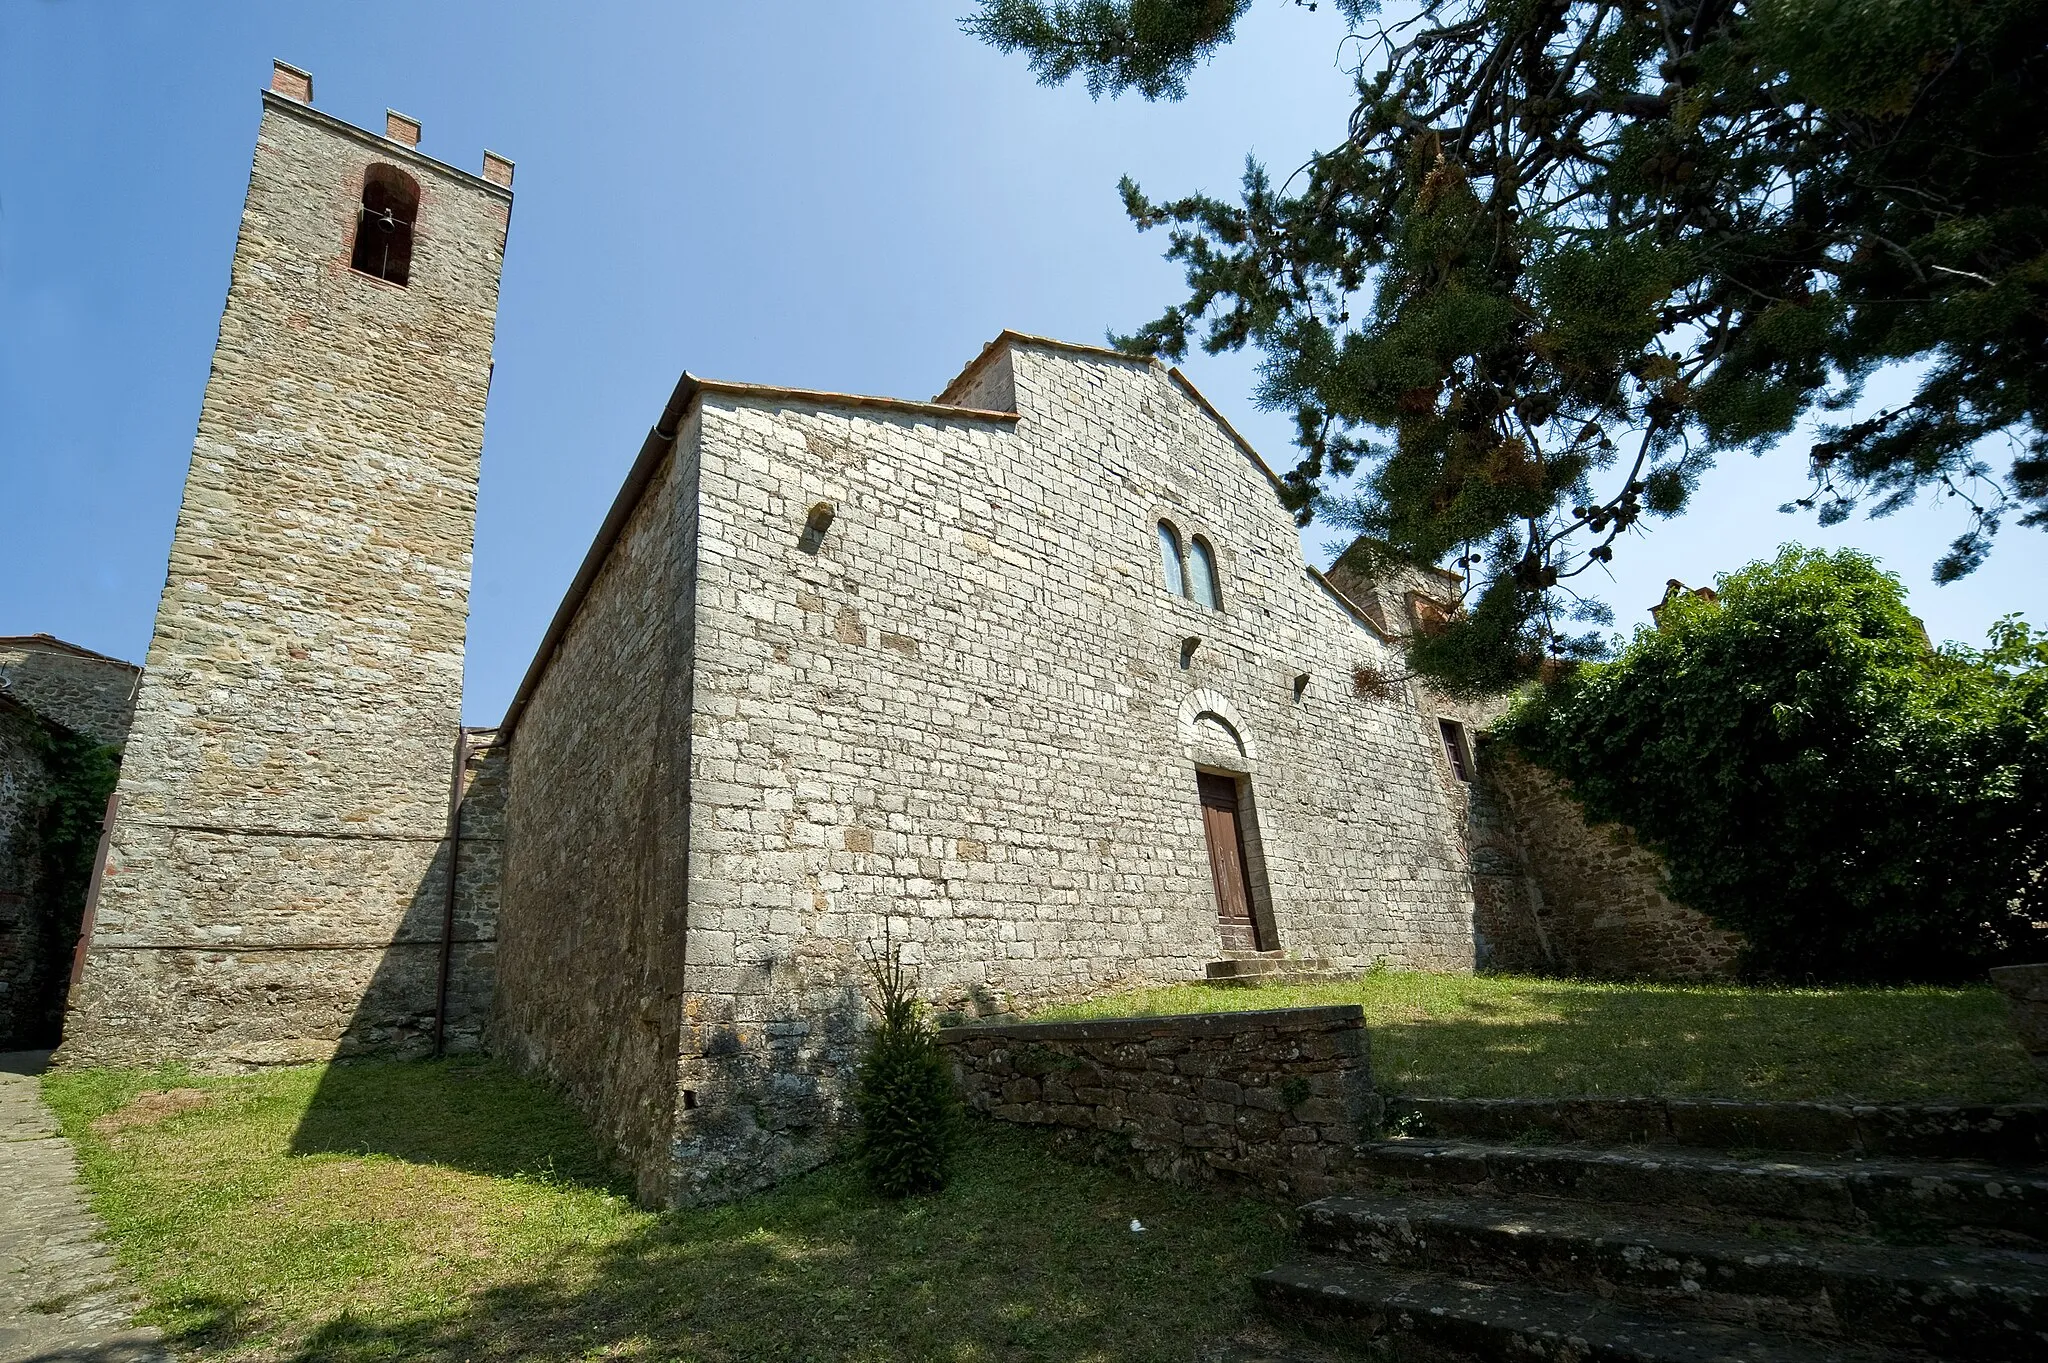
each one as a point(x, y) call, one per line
point(271, 890)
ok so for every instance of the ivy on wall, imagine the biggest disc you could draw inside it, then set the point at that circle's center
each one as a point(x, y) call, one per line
point(81, 773)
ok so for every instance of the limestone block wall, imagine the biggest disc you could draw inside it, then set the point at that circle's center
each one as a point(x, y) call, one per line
point(1276, 1098)
point(85, 692)
point(1593, 901)
point(590, 970)
point(271, 891)
point(967, 720)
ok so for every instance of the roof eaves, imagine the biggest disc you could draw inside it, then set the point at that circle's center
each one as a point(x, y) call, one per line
point(655, 448)
point(55, 644)
point(860, 401)
point(1357, 611)
point(1187, 385)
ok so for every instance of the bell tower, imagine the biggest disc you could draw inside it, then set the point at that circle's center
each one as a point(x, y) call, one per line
point(274, 885)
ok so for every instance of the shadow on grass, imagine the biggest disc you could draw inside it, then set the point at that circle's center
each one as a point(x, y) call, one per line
point(1022, 1256)
point(469, 1114)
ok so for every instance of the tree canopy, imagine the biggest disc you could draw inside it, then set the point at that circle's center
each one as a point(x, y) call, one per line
point(1569, 251)
point(1855, 803)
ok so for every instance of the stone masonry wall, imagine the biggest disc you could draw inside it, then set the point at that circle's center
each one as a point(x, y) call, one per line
point(85, 693)
point(1276, 1098)
point(1597, 906)
point(43, 682)
point(590, 975)
point(968, 721)
point(24, 785)
point(1393, 595)
point(271, 893)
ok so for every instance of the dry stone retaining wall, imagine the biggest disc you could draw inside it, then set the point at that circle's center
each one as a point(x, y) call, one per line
point(1592, 901)
point(1277, 1098)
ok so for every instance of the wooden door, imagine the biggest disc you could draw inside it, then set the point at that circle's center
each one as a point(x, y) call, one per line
point(1227, 866)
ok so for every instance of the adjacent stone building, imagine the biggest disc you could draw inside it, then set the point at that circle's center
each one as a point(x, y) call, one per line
point(58, 702)
point(277, 881)
point(1027, 683)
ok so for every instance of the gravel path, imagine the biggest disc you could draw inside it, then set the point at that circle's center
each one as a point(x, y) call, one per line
point(62, 1298)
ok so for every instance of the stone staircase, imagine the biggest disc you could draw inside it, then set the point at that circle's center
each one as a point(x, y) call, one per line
point(1501, 1231)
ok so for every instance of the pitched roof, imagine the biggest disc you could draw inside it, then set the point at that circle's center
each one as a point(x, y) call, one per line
point(52, 644)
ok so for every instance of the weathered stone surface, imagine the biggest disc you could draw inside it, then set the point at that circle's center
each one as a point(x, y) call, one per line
point(48, 689)
point(86, 692)
point(590, 985)
point(1957, 1303)
point(1275, 1098)
point(1590, 900)
point(1854, 1194)
point(284, 798)
point(1999, 1133)
point(2026, 994)
point(24, 926)
point(1425, 1317)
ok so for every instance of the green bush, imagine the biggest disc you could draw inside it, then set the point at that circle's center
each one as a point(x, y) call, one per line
point(1857, 804)
point(909, 1114)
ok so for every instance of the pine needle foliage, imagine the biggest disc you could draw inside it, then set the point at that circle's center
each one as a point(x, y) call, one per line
point(1860, 806)
point(909, 1112)
point(1568, 252)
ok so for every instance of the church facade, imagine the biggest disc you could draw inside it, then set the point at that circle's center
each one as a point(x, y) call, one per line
point(1028, 683)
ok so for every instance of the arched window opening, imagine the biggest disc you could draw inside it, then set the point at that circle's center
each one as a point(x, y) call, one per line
point(1171, 561)
point(1202, 584)
point(391, 203)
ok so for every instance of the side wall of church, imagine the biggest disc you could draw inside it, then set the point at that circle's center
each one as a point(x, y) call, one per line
point(965, 722)
point(271, 893)
point(593, 908)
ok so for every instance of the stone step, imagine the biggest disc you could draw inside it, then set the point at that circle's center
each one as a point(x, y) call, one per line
point(2001, 1133)
point(1270, 969)
point(1441, 1319)
point(1955, 1303)
point(1933, 1202)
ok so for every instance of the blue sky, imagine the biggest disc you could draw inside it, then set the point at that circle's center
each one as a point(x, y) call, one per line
point(839, 196)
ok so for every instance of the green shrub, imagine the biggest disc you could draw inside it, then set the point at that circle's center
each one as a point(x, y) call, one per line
point(1858, 805)
point(909, 1115)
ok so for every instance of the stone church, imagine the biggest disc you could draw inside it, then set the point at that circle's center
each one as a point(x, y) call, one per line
point(1028, 682)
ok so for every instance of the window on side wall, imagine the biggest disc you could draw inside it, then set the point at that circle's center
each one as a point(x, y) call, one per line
point(1202, 585)
point(1454, 748)
point(1170, 560)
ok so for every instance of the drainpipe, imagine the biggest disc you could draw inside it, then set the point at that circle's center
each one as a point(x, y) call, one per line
point(92, 893)
point(448, 899)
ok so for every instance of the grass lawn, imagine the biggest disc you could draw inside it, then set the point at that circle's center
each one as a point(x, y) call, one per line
point(453, 1211)
point(1501, 1036)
